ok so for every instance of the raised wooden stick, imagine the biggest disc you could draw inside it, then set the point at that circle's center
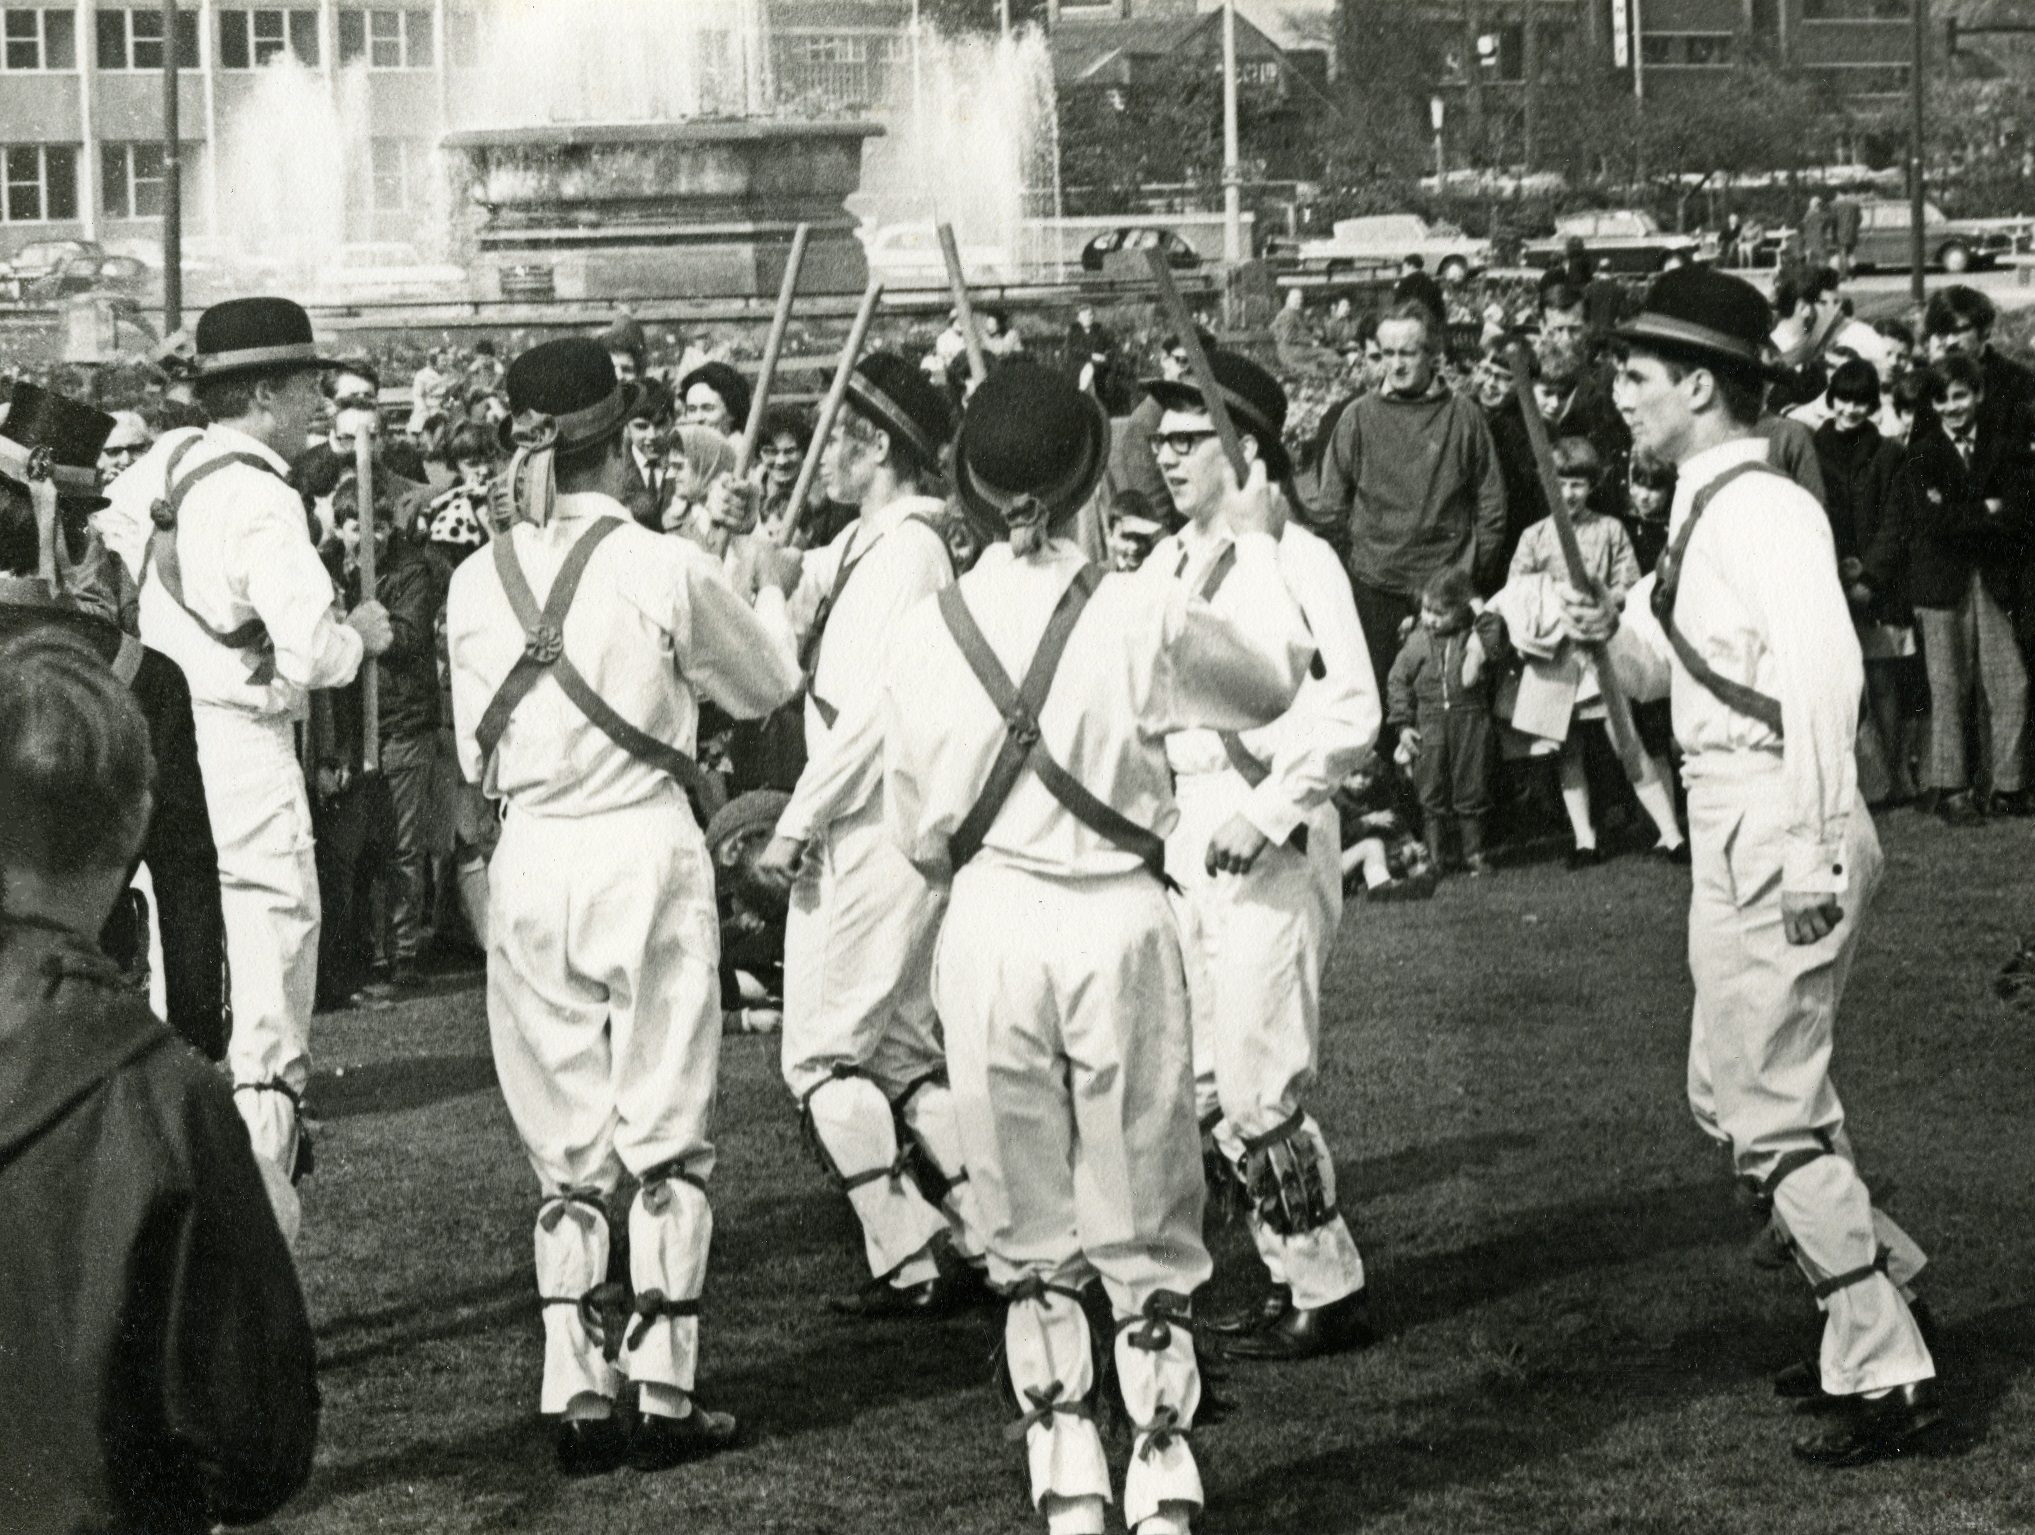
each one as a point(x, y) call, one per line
point(1617, 709)
point(1197, 361)
point(766, 374)
point(830, 407)
point(957, 283)
point(371, 673)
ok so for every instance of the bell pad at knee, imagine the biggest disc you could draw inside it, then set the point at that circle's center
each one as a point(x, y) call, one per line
point(603, 1308)
point(895, 1171)
point(1285, 1179)
point(918, 1156)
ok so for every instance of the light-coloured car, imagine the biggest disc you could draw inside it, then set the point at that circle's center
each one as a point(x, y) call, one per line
point(1621, 239)
point(1953, 244)
point(1386, 239)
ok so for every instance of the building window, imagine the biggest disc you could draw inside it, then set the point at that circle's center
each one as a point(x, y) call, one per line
point(133, 39)
point(42, 183)
point(837, 69)
point(249, 39)
point(397, 168)
point(131, 180)
point(1688, 50)
point(1856, 10)
point(1263, 73)
point(41, 40)
point(387, 39)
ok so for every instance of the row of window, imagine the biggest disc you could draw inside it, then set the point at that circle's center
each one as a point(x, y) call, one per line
point(132, 38)
point(41, 180)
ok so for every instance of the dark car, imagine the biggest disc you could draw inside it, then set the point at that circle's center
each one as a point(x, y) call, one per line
point(122, 275)
point(1621, 240)
point(1179, 254)
point(1955, 245)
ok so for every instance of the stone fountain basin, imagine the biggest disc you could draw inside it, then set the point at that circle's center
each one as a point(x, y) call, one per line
point(701, 207)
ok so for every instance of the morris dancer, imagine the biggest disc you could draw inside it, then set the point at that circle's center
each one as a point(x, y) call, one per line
point(577, 644)
point(862, 1047)
point(1058, 974)
point(1257, 853)
point(1746, 619)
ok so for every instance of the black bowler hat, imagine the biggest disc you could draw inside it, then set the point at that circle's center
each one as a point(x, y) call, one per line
point(1701, 315)
point(566, 393)
point(1029, 435)
point(62, 437)
point(255, 335)
point(898, 397)
point(1257, 404)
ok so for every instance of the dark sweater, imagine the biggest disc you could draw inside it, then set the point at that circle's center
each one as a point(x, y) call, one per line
point(1421, 483)
point(1949, 532)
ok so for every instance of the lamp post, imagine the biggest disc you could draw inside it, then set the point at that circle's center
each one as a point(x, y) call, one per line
point(1232, 169)
point(1917, 250)
point(1436, 110)
point(173, 180)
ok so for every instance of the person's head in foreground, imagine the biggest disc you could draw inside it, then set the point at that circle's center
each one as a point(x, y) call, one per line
point(1032, 449)
point(1853, 395)
point(75, 782)
point(1695, 372)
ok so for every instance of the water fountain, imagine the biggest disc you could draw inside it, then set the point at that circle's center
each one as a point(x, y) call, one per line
point(638, 157)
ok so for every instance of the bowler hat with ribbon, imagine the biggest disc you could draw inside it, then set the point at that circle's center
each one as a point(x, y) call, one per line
point(254, 335)
point(1032, 448)
point(897, 396)
point(49, 447)
point(1698, 315)
point(1257, 404)
point(563, 395)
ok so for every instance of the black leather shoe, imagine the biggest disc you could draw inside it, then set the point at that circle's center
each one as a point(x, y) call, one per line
point(590, 1446)
point(659, 1443)
point(1263, 1312)
point(1330, 1329)
point(1802, 1381)
point(881, 1301)
point(1860, 1430)
point(1585, 858)
point(1961, 809)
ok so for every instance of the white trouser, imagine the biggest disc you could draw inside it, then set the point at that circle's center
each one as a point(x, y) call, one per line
point(604, 1009)
point(860, 1033)
point(268, 895)
point(1759, 1064)
point(1067, 1039)
point(1256, 945)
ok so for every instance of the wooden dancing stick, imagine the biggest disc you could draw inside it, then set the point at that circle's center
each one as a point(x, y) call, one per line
point(851, 352)
point(1197, 362)
point(371, 673)
point(766, 374)
point(1617, 709)
point(957, 283)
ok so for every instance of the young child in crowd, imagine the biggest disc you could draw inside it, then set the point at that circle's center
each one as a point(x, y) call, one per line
point(1608, 560)
point(1649, 499)
point(1439, 696)
point(160, 1372)
point(1382, 857)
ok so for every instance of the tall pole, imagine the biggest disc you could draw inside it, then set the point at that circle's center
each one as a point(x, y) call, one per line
point(1003, 15)
point(1639, 90)
point(1232, 168)
point(1917, 250)
point(173, 180)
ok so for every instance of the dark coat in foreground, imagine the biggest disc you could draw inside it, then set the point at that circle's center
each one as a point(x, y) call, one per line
point(157, 1372)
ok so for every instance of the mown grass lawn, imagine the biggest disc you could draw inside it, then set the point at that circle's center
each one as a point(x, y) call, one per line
point(1573, 1340)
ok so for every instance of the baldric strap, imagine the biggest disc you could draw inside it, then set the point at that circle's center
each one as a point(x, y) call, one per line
point(809, 652)
point(1022, 747)
point(544, 656)
point(161, 553)
point(1667, 585)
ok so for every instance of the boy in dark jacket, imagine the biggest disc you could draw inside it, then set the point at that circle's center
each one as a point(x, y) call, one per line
point(157, 1371)
point(1440, 688)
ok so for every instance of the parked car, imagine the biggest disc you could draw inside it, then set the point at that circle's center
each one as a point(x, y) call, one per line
point(1956, 245)
point(42, 260)
point(1622, 239)
point(908, 256)
point(122, 276)
point(1180, 256)
point(1386, 239)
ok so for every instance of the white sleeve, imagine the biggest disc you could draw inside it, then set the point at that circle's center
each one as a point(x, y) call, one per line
point(1221, 674)
point(728, 652)
point(287, 585)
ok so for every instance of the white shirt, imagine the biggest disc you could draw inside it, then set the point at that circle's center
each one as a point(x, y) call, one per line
point(897, 564)
point(652, 626)
point(1146, 659)
point(1760, 601)
point(1317, 743)
point(245, 551)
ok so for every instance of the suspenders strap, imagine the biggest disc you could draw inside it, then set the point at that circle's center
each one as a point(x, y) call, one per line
point(544, 656)
point(809, 653)
point(1022, 748)
point(162, 548)
point(1667, 585)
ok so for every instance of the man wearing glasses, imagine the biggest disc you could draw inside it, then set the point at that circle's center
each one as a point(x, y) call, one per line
point(1412, 467)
